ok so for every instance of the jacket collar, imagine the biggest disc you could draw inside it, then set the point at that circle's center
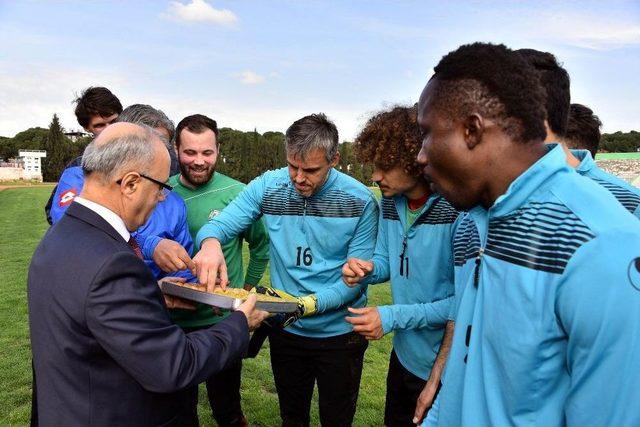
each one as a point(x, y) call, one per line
point(586, 161)
point(401, 203)
point(533, 180)
point(88, 216)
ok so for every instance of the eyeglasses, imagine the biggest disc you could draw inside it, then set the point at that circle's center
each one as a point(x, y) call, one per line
point(162, 185)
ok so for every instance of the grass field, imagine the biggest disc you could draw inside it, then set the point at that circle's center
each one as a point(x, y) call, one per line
point(618, 156)
point(23, 224)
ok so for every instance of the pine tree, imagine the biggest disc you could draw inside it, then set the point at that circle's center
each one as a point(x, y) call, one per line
point(57, 146)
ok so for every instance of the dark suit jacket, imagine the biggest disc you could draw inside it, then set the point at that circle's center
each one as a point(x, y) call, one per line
point(104, 349)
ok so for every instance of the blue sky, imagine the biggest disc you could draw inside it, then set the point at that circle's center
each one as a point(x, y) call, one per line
point(263, 64)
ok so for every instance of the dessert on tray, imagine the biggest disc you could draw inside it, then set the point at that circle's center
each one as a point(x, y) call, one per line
point(230, 298)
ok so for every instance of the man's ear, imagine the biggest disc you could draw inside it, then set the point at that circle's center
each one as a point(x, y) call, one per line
point(129, 183)
point(336, 160)
point(473, 126)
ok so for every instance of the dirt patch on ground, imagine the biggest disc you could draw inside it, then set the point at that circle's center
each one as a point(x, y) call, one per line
point(4, 187)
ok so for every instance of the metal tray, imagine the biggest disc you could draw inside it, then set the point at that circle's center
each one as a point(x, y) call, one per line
point(223, 301)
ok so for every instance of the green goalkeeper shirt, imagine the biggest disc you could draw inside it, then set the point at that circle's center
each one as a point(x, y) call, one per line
point(203, 203)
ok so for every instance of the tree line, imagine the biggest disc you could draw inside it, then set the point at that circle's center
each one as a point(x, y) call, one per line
point(620, 142)
point(243, 155)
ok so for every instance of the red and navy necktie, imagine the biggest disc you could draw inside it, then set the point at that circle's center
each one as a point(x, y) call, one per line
point(136, 248)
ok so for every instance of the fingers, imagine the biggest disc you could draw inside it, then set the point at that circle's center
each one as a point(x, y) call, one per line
point(354, 270)
point(366, 322)
point(257, 317)
point(354, 266)
point(209, 263)
point(203, 275)
point(358, 320)
point(173, 279)
point(421, 407)
point(360, 311)
point(254, 317)
point(224, 279)
point(184, 260)
point(261, 315)
point(360, 267)
point(351, 281)
point(248, 305)
point(425, 400)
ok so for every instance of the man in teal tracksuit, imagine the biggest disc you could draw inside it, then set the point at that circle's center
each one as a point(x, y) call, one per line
point(547, 262)
point(316, 218)
point(414, 250)
point(574, 125)
point(625, 193)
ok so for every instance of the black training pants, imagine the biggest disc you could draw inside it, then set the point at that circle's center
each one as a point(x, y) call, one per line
point(403, 389)
point(223, 391)
point(334, 362)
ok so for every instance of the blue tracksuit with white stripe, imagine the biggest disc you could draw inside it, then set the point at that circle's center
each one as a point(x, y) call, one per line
point(310, 240)
point(548, 328)
point(168, 220)
point(418, 258)
point(627, 194)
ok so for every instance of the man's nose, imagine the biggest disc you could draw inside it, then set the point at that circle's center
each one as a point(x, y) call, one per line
point(422, 158)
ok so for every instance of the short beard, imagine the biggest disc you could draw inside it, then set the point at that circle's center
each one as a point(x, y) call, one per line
point(184, 171)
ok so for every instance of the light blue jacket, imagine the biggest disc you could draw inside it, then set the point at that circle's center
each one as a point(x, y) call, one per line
point(168, 220)
point(421, 281)
point(310, 239)
point(627, 194)
point(548, 326)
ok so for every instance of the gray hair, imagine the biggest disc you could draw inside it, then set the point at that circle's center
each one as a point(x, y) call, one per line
point(313, 132)
point(110, 158)
point(141, 114)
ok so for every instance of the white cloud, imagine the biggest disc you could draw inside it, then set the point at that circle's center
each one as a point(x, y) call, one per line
point(201, 11)
point(250, 78)
point(32, 93)
point(590, 31)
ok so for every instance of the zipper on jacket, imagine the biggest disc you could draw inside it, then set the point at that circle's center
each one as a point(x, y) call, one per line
point(404, 261)
point(304, 215)
point(476, 271)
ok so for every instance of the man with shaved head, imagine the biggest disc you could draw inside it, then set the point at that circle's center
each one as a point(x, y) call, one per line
point(105, 351)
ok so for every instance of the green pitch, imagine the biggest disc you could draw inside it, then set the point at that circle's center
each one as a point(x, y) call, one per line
point(23, 224)
point(618, 156)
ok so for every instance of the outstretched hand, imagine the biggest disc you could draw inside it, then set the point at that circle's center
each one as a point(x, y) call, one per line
point(254, 316)
point(170, 256)
point(366, 322)
point(210, 265)
point(354, 270)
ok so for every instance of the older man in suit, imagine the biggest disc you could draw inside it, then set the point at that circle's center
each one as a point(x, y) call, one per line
point(104, 349)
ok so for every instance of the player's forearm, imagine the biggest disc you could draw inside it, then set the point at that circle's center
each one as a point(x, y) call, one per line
point(416, 316)
point(255, 270)
point(336, 296)
point(443, 354)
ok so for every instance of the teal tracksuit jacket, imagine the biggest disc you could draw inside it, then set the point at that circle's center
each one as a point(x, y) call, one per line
point(310, 240)
point(418, 258)
point(548, 325)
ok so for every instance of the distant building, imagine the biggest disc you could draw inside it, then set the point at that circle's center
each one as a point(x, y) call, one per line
point(74, 135)
point(32, 163)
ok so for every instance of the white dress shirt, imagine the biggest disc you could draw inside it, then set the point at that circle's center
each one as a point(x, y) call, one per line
point(108, 215)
